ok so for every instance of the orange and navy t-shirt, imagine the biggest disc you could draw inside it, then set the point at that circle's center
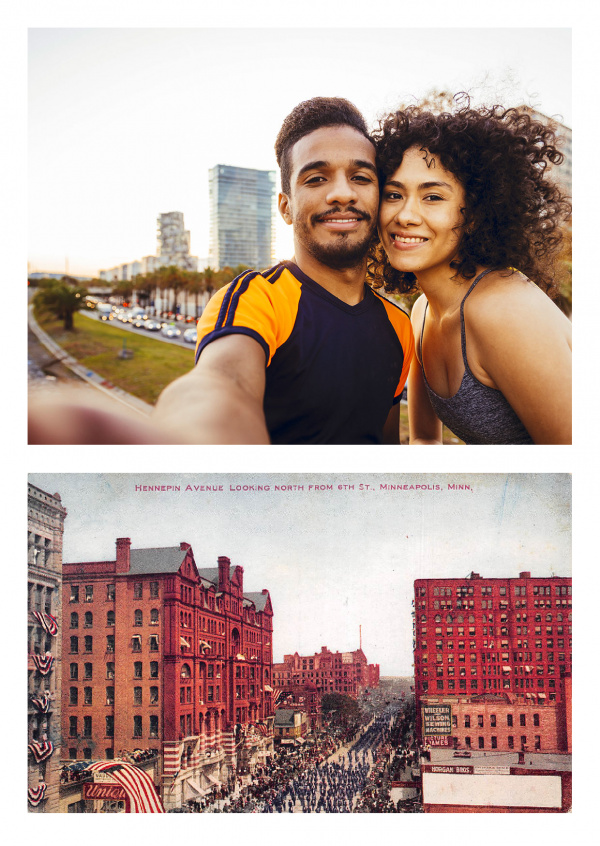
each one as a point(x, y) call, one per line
point(333, 370)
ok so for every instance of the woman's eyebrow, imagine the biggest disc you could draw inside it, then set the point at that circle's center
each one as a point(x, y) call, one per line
point(423, 186)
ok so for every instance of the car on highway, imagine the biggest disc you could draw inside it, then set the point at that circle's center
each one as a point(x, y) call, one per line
point(190, 336)
point(152, 324)
point(106, 315)
point(171, 331)
point(139, 322)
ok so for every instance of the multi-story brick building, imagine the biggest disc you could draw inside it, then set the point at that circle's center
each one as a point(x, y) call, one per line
point(493, 658)
point(161, 655)
point(330, 672)
point(45, 526)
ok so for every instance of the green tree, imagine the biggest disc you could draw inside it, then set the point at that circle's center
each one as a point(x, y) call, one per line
point(61, 297)
point(342, 708)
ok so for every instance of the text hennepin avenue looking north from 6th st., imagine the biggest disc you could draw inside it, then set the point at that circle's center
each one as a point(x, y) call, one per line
point(282, 643)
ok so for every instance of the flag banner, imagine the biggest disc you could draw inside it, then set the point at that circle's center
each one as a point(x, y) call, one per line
point(47, 621)
point(40, 751)
point(41, 704)
point(138, 785)
point(43, 662)
point(35, 795)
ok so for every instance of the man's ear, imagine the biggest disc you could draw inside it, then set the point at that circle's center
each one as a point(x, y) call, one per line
point(285, 209)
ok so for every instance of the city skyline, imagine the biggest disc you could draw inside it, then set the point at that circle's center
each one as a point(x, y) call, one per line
point(332, 560)
point(107, 128)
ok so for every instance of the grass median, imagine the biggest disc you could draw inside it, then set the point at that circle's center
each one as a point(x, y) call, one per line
point(96, 345)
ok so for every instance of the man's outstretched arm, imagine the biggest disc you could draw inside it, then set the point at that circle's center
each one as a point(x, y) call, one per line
point(221, 400)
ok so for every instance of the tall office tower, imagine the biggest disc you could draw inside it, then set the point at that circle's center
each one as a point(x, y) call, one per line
point(493, 662)
point(171, 659)
point(45, 524)
point(173, 239)
point(242, 217)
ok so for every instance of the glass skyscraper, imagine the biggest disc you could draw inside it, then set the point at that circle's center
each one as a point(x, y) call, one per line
point(242, 217)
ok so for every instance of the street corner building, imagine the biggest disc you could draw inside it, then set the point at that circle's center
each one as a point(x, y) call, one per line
point(492, 660)
point(167, 666)
point(45, 526)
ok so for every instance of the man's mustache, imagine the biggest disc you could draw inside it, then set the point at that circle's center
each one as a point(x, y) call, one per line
point(363, 215)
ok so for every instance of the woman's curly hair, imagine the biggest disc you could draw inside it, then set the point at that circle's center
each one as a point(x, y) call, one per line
point(513, 211)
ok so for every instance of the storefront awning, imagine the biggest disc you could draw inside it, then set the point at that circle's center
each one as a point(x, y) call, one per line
point(541, 695)
point(214, 780)
point(196, 787)
point(506, 669)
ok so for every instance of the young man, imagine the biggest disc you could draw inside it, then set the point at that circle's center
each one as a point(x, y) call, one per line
point(303, 353)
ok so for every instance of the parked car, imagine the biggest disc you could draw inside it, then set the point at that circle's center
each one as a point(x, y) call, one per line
point(190, 336)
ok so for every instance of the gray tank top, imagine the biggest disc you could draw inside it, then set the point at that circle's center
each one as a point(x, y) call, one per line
point(477, 414)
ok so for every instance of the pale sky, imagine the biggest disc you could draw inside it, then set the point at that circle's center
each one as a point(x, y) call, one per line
point(123, 124)
point(332, 560)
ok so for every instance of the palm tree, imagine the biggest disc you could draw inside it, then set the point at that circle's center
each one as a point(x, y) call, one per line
point(61, 298)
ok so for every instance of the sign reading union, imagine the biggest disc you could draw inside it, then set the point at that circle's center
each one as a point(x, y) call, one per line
point(437, 719)
point(103, 791)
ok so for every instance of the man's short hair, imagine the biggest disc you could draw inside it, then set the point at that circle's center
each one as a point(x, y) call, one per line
point(308, 116)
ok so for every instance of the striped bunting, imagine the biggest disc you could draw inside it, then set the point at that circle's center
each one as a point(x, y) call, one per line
point(35, 795)
point(43, 662)
point(139, 787)
point(47, 621)
point(40, 751)
point(43, 704)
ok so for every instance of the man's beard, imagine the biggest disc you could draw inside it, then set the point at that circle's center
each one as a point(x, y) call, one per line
point(341, 254)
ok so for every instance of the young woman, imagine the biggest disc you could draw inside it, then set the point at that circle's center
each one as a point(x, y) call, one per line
point(470, 215)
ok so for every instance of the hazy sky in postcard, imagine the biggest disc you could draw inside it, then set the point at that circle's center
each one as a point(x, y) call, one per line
point(333, 560)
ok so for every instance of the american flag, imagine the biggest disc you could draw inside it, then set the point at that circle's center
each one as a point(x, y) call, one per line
point(36, 794)
point(49, 623)
point(139, 787)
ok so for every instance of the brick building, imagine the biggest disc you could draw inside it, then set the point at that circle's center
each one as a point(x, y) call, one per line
point(493, 662)
point(305, 697)
point(45, 526)
point(330, 672)
point(161, 655)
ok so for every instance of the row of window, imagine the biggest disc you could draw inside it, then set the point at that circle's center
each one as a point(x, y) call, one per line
point(88, 643)
point(501, 590)
point(88, 592)
point(537, 740)
point(138, 618)
point(74, 726)
point(110, 696)
point(88, 668)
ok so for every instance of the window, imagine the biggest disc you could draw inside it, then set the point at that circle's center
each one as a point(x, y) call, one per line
point(110, 696)
point(468, 742)
point(467, 721)
point(89, 620)
point(88, 643)
point(136, 643)
point(480, 742)
point(87, 695)
point(74, 593)
point(137, 590)
point(110, 618)
point(153, 725)
point(154, 617)
point(137, 617)
point(74, 644)
point(87, 670)
point(87, 726)
point(153, 669)
point(110, 643)
point(137, 726)
point(493, 720)
point(74, 620)
point(480, 720)
point(74, 671)
point(154, 696)
point(536, 719)
point(153, 643)
point(110, 593)
point(89, 593)
point(110, 670)
point(73, 696)
point(154, 590)
point(137, 669)
point(72, 726)
point(137, 695)
point(110, 726)
point(522, 719)
point(511, 742)
point(538, 742)
point(73, 757)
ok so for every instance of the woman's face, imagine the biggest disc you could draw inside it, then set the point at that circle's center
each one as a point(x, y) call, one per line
point(420, 218)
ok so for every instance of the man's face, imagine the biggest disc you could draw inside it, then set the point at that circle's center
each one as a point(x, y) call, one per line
point(333, 197)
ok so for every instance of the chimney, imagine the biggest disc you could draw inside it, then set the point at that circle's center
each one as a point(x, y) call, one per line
point(184, 545)
point(224, 564)
point(123, 547)
point(525, 575)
